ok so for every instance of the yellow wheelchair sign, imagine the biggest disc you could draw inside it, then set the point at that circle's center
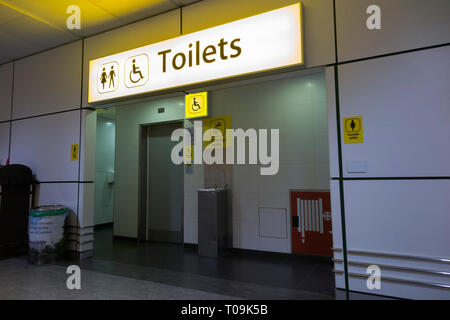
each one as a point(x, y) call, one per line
point(197, 105)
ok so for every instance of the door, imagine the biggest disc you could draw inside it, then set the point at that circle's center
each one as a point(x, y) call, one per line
point(311, 223)
point(165, 187)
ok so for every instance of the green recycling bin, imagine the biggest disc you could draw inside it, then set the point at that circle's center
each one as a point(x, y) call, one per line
point(46, 234)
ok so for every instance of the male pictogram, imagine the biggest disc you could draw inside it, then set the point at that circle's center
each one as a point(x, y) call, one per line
point(112, 75)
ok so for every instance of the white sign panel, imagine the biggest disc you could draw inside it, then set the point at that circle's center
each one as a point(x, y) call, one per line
point(263, 42)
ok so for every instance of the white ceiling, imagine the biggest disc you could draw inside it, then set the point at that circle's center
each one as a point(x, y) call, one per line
point(31, 26)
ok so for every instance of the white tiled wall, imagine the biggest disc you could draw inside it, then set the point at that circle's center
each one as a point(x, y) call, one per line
point(48, 82)
point(88, 144)
point(6, 75)
point(404, 217)
point(46, 121)
point(337, 228)
point(44, 143)
point(58, 193)
point(104, 163)
point(332, 126)
point(405, 25)
point(193, 180)
point(400, 217)
point(4, 142)
point(86, 205)
point(296, 106)
point(405, 104)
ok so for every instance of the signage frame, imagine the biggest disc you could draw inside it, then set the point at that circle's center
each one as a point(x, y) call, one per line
point(215, 81)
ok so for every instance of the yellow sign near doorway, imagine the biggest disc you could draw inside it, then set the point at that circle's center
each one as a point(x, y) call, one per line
point(353, 130)
point(197, 105)
point(189, 155)
point(74, 152)
point(222, 124)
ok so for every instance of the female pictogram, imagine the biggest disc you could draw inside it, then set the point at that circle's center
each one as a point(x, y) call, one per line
point(103, 78)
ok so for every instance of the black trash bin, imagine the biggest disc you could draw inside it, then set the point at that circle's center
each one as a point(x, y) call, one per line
point(16, 181)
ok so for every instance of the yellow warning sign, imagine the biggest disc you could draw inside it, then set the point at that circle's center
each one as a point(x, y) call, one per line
point(197, 105)
point(353, 130)
point(222, 124)
point(189, 154)
point(74, 152)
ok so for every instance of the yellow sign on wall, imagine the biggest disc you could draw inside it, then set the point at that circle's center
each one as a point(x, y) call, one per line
point(74, 152)
point(222, 124)
point(197, 105)
point(353, 130)
point(189, 155)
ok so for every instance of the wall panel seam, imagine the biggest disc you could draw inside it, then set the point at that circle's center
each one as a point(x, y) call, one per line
point(339, 147)
point(81, 124)
point(51, 114)
point(11, 109)
point(397, 53)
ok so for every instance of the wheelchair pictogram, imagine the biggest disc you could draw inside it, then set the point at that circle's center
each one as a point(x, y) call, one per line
point(196, 106)
point(137, 71)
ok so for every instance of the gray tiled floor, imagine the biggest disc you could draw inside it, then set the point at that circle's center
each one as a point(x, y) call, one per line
point(248, 275)
point(123, 269)
point(19, 280)
point(215, 285)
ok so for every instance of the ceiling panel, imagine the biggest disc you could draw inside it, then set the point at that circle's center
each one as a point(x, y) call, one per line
point(53, 13)
point(7, 14)
point(35, 33)
point(4, 60)
point(28, 26)
point(133, 10)
point(12, 47)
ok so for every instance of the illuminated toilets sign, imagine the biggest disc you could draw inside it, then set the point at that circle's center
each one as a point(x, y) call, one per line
point(263, 42)
point(209, 54)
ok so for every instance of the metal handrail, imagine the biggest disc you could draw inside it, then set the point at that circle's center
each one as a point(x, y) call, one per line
point(396, 268)
point(392, 255)
point(397, 280)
